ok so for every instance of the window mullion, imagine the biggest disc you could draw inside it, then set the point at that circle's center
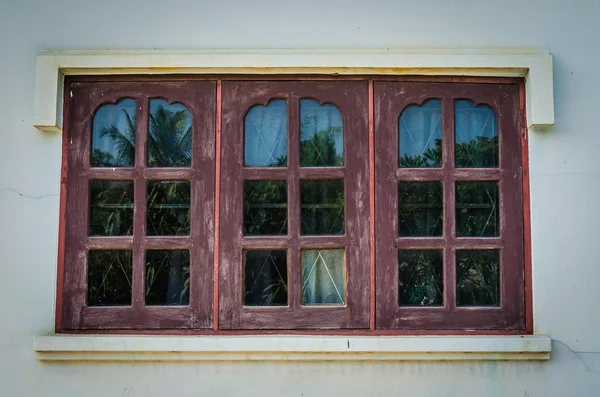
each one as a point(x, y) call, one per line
point(294, 266)
point(139, 214)
point(448, 166)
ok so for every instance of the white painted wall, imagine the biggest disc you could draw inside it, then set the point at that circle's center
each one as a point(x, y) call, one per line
point(565, 181)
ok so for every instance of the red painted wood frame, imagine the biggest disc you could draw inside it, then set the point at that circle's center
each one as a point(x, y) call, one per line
point(351, 98)
point(390, 99)
point(86, 99)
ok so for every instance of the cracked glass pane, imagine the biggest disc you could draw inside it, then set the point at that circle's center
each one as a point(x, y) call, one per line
point(265, 278)
point(168, 208)
point(113, 135)
point(420, 209)
point(169, 135)
point(477, 209)
point(323, 277)
point(111, 208)
point(167, 279)
point(109, 278)
point(265, 135)
point(322, 207)
point(321, 135)
point(476, 130)
point(420, 277)
point(478, 278)
point(420, 135)
point(265, 208)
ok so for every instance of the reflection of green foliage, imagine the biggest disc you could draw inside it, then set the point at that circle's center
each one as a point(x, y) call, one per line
point(123, 142)
point(477, 277)
point(170, 143)
point(167, 277)
point(168, 212)
point(432, 157)
point(420, 281)
point(479, 152)
point(111, 208)
point(319, 149)
point(265, 207)
point(322, 207)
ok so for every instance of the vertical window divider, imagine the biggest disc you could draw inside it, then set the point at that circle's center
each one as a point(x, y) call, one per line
point(217, 206)
point(372, 297)
point(449, 214)
point(294, 259)
point(139, 212)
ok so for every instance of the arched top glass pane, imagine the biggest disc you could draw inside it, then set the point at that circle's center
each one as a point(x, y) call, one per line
point(476, 135)
point(169, 135)
point(265, 135)
point(420, 136)
point(113, 135)
point(321, 135)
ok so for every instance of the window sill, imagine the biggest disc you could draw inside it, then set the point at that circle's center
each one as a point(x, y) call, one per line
point(290, 348)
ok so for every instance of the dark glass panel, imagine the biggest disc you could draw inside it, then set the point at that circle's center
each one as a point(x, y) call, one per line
point(321, 135)
point(478, 278)
point(113, 135)
point(421, 278)
point(167, 277)
point(420, 135)
point(322, 207)
point(323, 277)
point(168, 208)
point(265, 278)
point(109, 278)
point(265, 135)
point(111, 208)
point(265, 208)
point(476, 135)
point(477, 209)
point(420, 209)
point(170, 135)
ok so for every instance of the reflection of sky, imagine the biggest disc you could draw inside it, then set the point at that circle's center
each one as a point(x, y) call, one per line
point(315, 117)
point(265, 134)
point(108, 115)
point(473, 121)
point(419, 127)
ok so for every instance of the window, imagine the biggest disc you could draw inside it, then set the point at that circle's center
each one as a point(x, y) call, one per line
point(284, 169)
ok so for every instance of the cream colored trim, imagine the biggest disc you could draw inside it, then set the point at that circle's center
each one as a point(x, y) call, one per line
point(534, 65)
point(290, 348)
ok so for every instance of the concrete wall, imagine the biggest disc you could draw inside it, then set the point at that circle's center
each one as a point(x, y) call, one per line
point(565, 182)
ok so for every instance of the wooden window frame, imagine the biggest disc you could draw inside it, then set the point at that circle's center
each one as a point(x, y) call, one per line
point(198, 97)
point(204, 318)
point(391, 98)
point(238, 98)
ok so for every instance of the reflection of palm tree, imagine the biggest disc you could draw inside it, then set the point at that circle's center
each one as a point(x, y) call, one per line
point(169, 140)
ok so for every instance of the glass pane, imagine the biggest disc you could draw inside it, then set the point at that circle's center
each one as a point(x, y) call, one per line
point(420, 209)
point(476, 135)
point(420, 143)
point(321, 135)
point(420, 278)
point(167, 277)
point(265, 278)
point(170, 135)
point(109, 278)
point(265, 135)
point(477, 209)
point(111, 208)
point(322, 207)
point(113, 135)
point(265, 208)
point(323, 277)
point(168, 208)
point(478, 278)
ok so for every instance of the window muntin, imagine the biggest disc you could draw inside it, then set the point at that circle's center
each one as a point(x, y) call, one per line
point(478, 279)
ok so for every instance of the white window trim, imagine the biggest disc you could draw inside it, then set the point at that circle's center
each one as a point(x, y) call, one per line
point(290, 348)
point(534, 65)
